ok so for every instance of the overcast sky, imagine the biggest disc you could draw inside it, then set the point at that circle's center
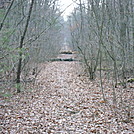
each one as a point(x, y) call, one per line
point(64, 4)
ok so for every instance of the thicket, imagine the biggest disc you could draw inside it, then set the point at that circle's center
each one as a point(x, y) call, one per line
point(103, 33)
point(30, 33)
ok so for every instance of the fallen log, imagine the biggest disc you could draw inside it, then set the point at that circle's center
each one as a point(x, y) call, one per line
point(59, 59)
point(64, 52)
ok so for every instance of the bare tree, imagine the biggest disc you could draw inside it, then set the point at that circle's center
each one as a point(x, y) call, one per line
point(21, 46)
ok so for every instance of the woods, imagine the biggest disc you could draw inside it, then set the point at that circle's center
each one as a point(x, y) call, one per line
point(30, 33)
point(67, 74)
point(103, 33)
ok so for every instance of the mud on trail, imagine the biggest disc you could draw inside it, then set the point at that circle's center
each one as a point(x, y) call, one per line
point(65, 103)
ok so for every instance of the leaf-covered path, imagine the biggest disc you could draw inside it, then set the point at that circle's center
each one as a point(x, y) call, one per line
point(65, 103)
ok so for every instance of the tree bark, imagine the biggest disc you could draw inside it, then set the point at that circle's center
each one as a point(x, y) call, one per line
point(21, 46)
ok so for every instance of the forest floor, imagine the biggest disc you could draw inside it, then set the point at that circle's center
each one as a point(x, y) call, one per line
point(66, 102)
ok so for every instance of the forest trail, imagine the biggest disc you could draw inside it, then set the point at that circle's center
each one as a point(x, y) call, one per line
point(65, 103)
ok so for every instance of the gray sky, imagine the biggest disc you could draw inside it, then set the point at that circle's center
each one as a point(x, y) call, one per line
point(65, 4)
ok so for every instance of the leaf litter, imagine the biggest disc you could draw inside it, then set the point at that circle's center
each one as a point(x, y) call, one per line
point(65, 102)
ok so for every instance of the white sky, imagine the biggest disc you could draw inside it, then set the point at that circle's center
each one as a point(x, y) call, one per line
point(64, 4)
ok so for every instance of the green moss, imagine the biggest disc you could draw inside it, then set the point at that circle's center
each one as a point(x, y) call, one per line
point(6, 95)
point(120, 83)
point(2, 12)
point(131, 80)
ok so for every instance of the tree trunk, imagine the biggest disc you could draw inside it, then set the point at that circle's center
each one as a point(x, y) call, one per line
point(21, 46)
point(123, 40)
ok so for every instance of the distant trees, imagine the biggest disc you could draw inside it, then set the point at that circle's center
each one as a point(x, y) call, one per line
point(30, 33)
